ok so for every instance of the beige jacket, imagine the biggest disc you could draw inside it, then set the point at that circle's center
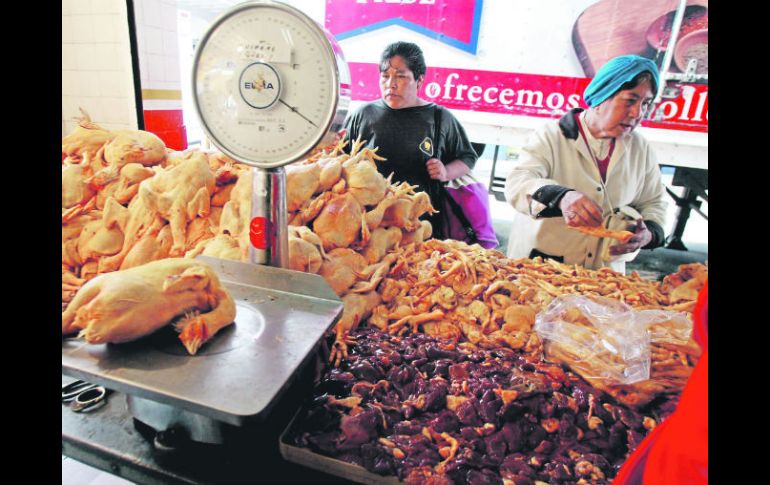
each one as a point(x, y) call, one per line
point(550, 157)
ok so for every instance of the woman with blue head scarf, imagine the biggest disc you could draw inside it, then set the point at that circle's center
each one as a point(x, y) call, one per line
point(591, 169)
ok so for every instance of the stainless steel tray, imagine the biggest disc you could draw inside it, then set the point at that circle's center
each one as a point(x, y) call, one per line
point(281, 318)
point(326, 464)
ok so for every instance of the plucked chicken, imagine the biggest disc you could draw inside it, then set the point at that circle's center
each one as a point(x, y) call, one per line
point(134, 146)
point(74, 187)
point(103, 237)
point(236, 213)
point(339, 223)
point(306, 251)
point(366, 184)
point(179, 195)
point(381, 241)
point(341, 268)
point(222, 246)
point(86, 139)
point(154, 245)
point(122, 185)
point(301, 183)
point(142, 220)
point(127, 305)
point(303, 256)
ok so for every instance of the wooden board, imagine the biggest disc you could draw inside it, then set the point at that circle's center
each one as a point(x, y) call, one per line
point(610, 28)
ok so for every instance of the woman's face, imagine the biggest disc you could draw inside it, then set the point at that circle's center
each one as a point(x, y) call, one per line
point(620, 114)
point(398, 86)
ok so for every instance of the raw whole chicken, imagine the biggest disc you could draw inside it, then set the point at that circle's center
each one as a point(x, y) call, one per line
point(406, 211)
point(419, 235)
point(339, 222)
point(128, 146)
point(375, 216)
point(331, 171)
point(306, 250)
point(381, 241)
point(218, 161)
point(356, 307)
point(222, 246)
point(154, 245)
point(303, 256)
point(341, 269)
point(103, 237)
point(364, 182)
point(304, 233)
point(236, 213)
point(123, 186)
point(86, 139)
point(179, 195)
point(141, 220)
point(70, 236)
point(127, 305)
point(134, 146)
point(302, 181)
point(199, 229)
point(74, 187)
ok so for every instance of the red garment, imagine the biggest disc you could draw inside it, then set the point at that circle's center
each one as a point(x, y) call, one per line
point(676, 451)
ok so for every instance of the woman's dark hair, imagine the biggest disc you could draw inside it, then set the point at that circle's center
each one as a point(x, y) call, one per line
point(411, 53)
point(637, 80)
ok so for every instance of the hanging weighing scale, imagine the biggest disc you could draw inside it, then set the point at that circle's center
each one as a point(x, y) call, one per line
point(269, 85)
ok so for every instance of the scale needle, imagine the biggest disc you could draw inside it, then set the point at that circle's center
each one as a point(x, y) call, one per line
point(295, 111)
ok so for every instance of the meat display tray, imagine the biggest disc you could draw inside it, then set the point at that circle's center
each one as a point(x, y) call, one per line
point(282, 315)
point(326, 464)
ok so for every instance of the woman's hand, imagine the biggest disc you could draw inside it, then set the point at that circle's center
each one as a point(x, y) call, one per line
point(642, 236)
point(579, 210)
point(436, 170)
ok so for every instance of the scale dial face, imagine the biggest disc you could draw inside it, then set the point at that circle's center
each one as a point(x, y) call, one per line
point(266, 83)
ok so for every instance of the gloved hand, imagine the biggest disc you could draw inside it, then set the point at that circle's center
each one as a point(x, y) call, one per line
point(436, 169)
point(579, 210)
point(642, 236)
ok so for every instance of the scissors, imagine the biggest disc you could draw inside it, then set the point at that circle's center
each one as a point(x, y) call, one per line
point(83, 397)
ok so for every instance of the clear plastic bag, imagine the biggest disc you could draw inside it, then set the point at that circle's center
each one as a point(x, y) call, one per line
point(604, 340)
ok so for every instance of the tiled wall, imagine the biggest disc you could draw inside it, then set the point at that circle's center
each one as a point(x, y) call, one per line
point(156, 36)
point(96, 64)
point(158, 46)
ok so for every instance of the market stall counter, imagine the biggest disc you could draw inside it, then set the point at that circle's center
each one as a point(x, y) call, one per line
point(448, 361)
point(110, 439)
point(168, 416)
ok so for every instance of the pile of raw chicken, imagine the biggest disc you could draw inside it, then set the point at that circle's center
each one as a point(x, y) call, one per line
point(127, 200)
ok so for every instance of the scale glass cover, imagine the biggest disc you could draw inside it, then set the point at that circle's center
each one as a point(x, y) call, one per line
point(269, 84)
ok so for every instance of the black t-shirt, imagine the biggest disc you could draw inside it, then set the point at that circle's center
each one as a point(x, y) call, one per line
point(399, 133)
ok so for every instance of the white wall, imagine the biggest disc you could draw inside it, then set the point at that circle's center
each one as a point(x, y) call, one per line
point(96, 64)
point(158, 46)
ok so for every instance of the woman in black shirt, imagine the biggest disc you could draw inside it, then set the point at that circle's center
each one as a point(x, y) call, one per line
point(403, 126)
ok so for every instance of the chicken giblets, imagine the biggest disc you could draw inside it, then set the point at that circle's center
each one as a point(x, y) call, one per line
point(125, 305)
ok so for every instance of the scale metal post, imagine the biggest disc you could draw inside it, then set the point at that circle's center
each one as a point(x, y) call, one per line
point(269, 85)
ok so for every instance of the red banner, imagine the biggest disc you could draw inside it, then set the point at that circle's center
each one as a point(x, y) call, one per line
point(528, 95)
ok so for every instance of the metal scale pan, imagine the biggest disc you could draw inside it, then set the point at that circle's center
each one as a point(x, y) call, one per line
point(269, 85)
point(235, 378)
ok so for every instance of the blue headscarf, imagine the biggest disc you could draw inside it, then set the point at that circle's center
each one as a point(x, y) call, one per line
point(614, 74)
